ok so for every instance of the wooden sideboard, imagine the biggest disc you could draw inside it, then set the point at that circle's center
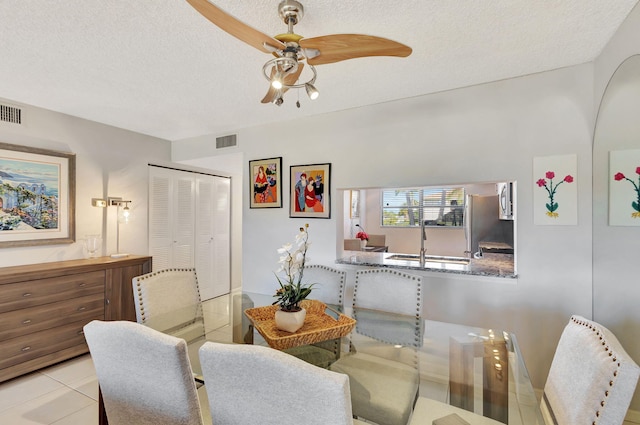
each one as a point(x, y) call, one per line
point(43, 307)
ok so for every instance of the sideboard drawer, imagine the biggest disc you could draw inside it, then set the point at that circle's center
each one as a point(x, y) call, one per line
point(42, 291)
point(29, 320)
point(31, 346)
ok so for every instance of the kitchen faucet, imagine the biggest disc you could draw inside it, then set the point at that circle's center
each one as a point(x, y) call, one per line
point(423, 238)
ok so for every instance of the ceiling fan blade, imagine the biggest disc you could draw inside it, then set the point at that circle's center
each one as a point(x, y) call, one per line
point(339, 47)
point(289, 79)
point(236, 28)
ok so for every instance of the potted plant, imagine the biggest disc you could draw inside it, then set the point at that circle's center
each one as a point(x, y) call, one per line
point(290, 317)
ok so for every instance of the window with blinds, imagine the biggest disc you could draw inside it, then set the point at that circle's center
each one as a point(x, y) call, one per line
point(436, 206)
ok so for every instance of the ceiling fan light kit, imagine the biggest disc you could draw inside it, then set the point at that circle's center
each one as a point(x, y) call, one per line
point(292, 51)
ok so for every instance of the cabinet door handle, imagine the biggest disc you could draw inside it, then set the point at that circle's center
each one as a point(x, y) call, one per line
point(27, 348)
point(26, 294)
point(26, 322)
point(82, 284)
point(82, 308)
point(106, 301)
point(80, 332)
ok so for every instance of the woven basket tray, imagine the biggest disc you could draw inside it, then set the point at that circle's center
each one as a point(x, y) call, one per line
point(318, 326)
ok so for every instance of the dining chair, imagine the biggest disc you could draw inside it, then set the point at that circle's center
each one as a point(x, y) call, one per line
point(352, 245)
point(252, 384)
point(328, 287)
point(328, 284)
point(144, 375)
point(385, 381)
point(591, 379)
point(169, 301)
point(377, 240)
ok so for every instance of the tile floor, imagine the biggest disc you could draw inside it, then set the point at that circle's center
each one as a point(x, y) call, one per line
point(64, 394)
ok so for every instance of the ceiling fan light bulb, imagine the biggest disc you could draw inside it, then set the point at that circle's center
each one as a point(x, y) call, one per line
point(312, 92)
point(276, 84)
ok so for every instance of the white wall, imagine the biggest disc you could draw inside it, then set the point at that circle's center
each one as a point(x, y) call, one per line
point(616, 286)
point(109, 162)
point(495, 130)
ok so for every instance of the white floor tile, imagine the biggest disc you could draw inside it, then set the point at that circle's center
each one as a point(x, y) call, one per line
point(71, 370)
point(47, 408)
point(87, 386)
point(25, 388)
point(86, 416)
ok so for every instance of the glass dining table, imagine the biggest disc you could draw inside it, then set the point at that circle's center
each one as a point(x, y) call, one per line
point(474, 369)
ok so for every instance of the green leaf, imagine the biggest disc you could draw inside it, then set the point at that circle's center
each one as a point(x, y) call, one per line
point(554, 207)
point(635, 206)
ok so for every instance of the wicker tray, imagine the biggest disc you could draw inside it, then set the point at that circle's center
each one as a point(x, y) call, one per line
point(318, 326)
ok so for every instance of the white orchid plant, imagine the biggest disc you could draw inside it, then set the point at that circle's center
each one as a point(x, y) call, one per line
point(292, 262)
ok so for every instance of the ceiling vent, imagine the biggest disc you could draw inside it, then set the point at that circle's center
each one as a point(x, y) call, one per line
point(10, 114)
point(226, 141)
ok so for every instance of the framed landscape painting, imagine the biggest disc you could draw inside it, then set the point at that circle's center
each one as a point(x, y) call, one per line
point(265, 179)
point(310, 189)
point(37, 196)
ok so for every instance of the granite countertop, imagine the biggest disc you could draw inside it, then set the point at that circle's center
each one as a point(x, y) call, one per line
point(497, 265)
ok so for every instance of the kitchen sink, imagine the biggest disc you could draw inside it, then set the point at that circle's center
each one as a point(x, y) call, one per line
point(429, 258)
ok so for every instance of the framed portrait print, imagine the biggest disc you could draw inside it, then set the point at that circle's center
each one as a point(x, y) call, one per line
point(265, 180)
point(37, 196)
point(310, 189)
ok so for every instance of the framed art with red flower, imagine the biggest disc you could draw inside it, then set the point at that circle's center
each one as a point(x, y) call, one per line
point(265, 183)
point(555, 193)
point(624, 187)
point(310, 191)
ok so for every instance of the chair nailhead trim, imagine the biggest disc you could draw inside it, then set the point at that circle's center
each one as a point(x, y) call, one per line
point(600, 335)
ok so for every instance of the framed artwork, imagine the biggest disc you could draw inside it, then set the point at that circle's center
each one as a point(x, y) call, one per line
point(555, 190)
point(265, 180)
point(310, 189)
point(37, 196)
point(624, 188)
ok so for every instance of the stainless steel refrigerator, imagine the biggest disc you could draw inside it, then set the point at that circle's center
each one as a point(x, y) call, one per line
point(482, 223)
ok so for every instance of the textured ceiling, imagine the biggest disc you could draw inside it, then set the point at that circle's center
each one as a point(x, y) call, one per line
point(159, 68)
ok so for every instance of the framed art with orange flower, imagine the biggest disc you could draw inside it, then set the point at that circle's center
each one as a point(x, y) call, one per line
point(624, 187)
point(310, 191)
point(265, 183)
point(555, 190)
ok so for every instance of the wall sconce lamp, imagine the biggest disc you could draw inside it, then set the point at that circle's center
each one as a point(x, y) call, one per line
point(123, 216)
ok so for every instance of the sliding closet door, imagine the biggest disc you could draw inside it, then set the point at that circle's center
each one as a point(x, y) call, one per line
point(212, 235)
point(171, 218)
point(189, 226)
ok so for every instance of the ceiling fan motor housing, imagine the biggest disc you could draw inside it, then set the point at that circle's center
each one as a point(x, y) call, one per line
point(291, 11)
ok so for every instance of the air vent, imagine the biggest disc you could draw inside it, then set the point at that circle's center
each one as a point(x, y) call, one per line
point(10, 114)
point(226, 141)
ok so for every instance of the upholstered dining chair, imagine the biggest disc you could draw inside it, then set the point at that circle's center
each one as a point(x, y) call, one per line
point(352, 245)
point(252, 384)
point(591, 379)
point(145, 376)
point(377, 240)
point(328, 284)
point(328, 287)
point(391, 291)
point(169, 301)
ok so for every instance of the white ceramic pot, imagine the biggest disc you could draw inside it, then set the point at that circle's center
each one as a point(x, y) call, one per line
point(363, 244)
point(290, 321)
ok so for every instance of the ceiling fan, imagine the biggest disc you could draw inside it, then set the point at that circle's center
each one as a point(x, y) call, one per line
point(291, 50)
